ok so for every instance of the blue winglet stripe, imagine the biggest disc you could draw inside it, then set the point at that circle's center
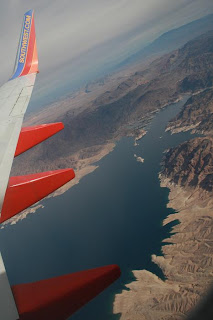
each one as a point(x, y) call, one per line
point(23, 45)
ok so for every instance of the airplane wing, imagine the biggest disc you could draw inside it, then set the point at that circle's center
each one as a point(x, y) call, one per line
point(59, 297)
point(14, 98)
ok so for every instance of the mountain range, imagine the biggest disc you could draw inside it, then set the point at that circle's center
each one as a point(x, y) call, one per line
point(172, 40)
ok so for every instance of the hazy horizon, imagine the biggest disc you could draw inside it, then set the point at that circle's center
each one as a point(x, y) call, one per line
point(78, 41)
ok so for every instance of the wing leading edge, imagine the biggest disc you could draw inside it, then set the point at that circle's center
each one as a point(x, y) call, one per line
point(58, 297)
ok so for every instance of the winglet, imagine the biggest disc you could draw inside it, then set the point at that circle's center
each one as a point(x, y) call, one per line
point(27, 57)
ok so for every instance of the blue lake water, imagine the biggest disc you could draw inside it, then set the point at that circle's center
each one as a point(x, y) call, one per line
point(113, 216)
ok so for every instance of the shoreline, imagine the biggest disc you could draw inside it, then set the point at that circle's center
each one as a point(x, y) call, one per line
point(186, 262)
point(84, 167)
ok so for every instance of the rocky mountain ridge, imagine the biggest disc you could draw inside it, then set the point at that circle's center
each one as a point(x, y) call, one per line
point(191, 164)
point(197, 114)
point(108, 118)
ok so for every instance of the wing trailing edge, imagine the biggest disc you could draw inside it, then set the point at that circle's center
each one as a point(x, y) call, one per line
point(58, 298)
point(23, 191)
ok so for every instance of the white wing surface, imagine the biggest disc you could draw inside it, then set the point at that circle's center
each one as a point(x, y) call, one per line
point(14, 98)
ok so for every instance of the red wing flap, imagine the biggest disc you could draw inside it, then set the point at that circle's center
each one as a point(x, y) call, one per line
point(23, 191)
point(31, 136)
point(58, 298)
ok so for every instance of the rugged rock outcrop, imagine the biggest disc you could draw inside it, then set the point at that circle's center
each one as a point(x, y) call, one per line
point(191, 164)
point(197, 114)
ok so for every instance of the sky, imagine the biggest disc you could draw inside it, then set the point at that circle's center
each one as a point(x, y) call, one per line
point(79, 40)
